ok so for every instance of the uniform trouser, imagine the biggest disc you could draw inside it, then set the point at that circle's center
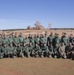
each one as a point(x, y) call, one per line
point(68, 54)
point(26, 53)
point(5, 55)
point(57, 54)
point(12, 54)
point(51, 53)
point(45, 52)
point(19, 54)
point(1, 55)
point(63, 55)
point(72, 55)
point(37, 53)
point(31, 52)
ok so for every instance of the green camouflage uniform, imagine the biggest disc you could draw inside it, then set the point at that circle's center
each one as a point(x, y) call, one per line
point(19, 51)
point(5, 41)
point(31, 49)
point(56, 40)
point(1, 53)
point(36, 39)
point(15, 41)
point(50, 50)
point(68, 50)
point(21, 39)
point(42, 41)
point(26, 50)
point(0, 41)
point(45, 50)
point(37, 51)
point(50, 40)
point(26, 41)
point(65, 40)
point(5, 51)
point(56, 52)
point(10, 40)
point(32, 40)
point(12, 51)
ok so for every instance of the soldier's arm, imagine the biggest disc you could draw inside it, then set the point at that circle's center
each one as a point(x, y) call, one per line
point(52, 49)
point(59, 50)
point(68, 40)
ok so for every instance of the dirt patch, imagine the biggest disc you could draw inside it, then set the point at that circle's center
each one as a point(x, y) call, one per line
point(36, 66)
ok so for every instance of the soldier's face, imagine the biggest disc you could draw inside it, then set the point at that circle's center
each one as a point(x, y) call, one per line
point(32, 36)
point(20, 34)
point(57, 36)
point(18, 44)
point(62, 44)
point(56, 45)
point(62, 34)
point(36, 45)
point(65, 34)
point(24, 44)
point(10, 36)
point(44, 44)
point(30, 44)
point(10, 45)
point(4, 45)
point(51, 34)
point(26, 37)
point(70, 44)
point(4, 36)
point(71, 35)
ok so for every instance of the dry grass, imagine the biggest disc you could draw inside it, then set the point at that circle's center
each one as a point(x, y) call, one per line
point(26, 32)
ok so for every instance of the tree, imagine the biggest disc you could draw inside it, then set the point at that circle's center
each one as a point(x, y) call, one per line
point(28, 27)
point(38, 25)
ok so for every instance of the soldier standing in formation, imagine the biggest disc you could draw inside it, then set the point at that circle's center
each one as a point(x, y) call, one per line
point(16, 45)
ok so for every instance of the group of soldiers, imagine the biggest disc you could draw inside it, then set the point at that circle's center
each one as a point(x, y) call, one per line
point(37, 45)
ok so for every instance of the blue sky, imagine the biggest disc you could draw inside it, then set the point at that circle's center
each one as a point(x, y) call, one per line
point(21, 13)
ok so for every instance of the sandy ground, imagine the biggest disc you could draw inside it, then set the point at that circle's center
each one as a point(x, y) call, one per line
point(36, 66)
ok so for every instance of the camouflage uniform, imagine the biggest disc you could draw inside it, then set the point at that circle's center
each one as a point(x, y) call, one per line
point(56, 51)
point(21, 39)
point(5, 40)
point(37, 51)
point(45, 50)
point(1, 53)
point(0, 40)
point(42, 40)
point(65, 40)
point(15, 41)
point(10, 40)
point(5, 51)
point(12, 51)
point(32, 41)
point(72, 53)
point(68, 50)
point(56, 40)
point(31, 49)
point(26, 40)
point(50, 39)
point(26, 50)
point(36, 39)
point(50, 47)
point(19, 51)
